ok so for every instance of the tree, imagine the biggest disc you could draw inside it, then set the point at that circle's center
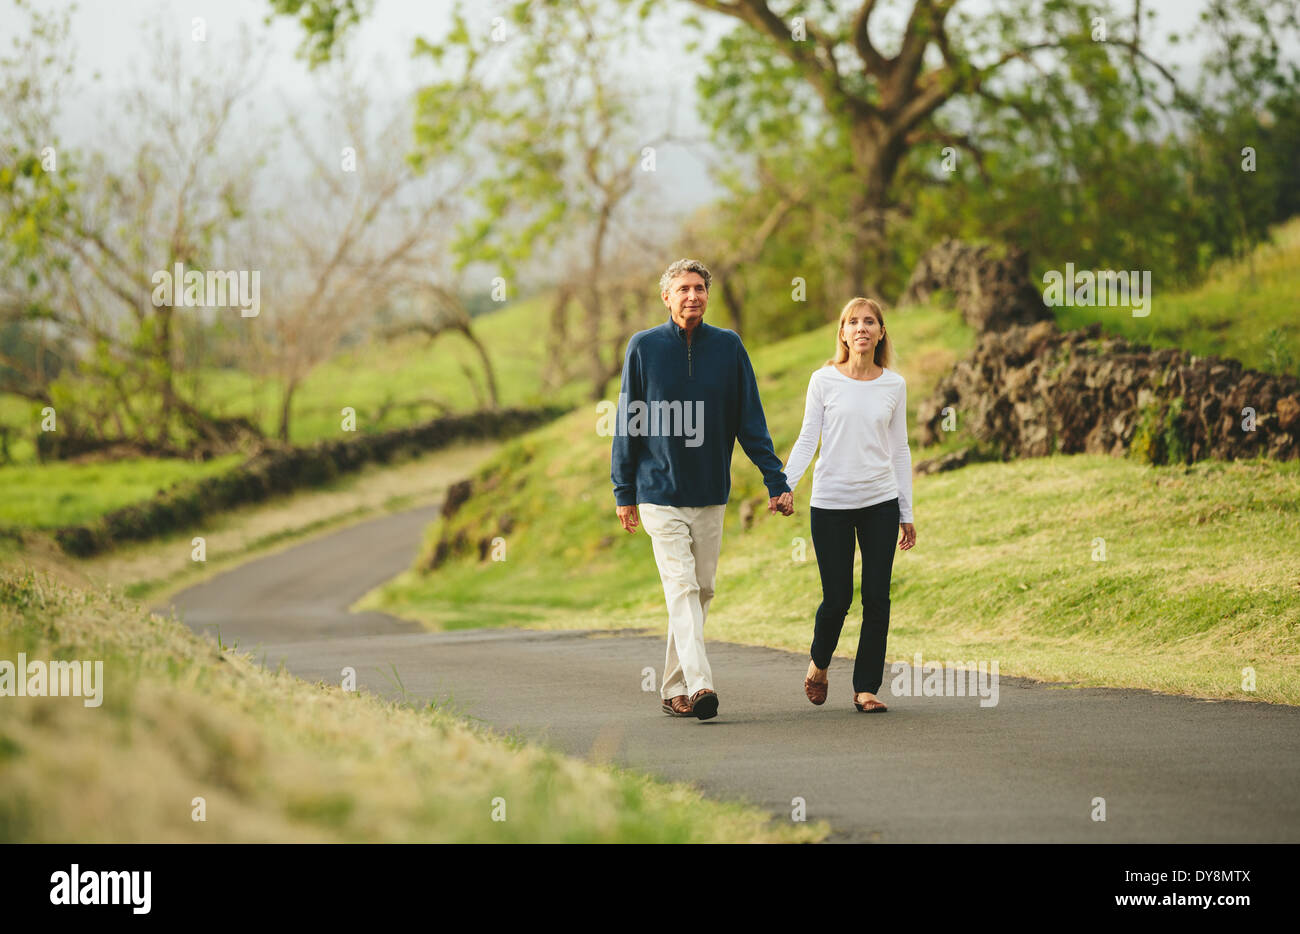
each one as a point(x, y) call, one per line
point(85, 237)
point(535, 104)
point(1248, 122)
point(1074, 141)
point(881, 106)
point(743, 227)
point(324, 22)
point(363, 229)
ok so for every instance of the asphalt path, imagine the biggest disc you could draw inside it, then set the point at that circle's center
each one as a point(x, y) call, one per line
point(1037, 766)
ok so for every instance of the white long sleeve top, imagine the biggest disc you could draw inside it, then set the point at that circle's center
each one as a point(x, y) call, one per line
point(862, 426)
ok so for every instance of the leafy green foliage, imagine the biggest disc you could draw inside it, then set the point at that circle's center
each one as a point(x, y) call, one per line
point(325, 23)
point(1079, 151)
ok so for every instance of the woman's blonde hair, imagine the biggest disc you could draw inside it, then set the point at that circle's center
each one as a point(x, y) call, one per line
point(884, 353)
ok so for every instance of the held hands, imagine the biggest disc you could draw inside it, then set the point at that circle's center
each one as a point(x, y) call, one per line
point(629, 518)
point(909, 536)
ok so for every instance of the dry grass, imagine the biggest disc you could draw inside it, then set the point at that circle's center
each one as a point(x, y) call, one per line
point(275, 759)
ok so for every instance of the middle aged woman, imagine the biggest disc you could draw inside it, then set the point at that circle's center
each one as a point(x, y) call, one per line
point(862, 488)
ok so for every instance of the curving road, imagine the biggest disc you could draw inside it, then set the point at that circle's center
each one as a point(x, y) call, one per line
point(932, 769)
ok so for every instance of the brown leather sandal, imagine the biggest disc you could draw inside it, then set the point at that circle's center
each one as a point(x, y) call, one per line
point(705, 704)
point(816, 690)
point(871, 706)
point(679, 706)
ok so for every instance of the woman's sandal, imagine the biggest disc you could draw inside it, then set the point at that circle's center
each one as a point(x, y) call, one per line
point(871, 706)
point(816, 690)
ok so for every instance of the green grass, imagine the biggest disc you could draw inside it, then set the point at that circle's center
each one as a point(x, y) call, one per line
point(56, 494)
point(1251, 316)
point(364, 378)
point(389, 384)
point(158, 567)
point(276, 759)
point(1200, 577)
point(19, 416)
point(406, 372)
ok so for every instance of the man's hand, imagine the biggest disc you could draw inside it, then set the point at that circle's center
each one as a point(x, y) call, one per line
point(629, 517)
point(784, 504)
point(909, 536)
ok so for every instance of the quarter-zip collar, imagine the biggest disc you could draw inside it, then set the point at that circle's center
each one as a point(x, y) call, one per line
point(700, 329)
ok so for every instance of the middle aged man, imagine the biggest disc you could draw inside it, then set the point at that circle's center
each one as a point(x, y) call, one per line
point(688, 393)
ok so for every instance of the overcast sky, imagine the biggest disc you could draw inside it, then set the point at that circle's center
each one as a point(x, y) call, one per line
point(112, 39)
point(109, 32)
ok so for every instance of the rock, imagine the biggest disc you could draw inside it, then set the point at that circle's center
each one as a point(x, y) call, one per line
point(992, 292)
point(1288, 413)
point(1035, 390)
point(457, 494)
point(950, 461)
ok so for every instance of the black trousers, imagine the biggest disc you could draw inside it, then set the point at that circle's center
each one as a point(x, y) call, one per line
point(833, 532)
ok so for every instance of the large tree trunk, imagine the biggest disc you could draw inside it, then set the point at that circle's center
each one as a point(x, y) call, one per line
point(876, 156)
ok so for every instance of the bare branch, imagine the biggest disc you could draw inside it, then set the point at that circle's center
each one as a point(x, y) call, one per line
point(823, 74)
point(875, 62)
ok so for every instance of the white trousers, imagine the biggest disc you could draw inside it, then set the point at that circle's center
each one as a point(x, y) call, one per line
point(686, 541)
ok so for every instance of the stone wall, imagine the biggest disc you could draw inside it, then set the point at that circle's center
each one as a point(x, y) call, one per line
point(1034, 390)
point(283, 470)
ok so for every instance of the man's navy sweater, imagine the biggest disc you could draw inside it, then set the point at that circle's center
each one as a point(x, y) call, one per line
point(682, 406)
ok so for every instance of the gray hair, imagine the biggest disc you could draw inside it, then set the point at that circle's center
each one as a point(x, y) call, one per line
point(681, 268)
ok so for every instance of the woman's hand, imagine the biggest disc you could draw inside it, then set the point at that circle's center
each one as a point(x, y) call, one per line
point(909, 536)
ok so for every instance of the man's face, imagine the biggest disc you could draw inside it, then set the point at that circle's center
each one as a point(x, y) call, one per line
point(686, 298)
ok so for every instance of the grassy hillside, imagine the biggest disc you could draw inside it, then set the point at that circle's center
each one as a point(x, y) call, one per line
point(367, 378)
point(1247, 310)
point(277, 759)
point(50, 495)
point(398, 378)
point(1200, 577)
point(159, 567)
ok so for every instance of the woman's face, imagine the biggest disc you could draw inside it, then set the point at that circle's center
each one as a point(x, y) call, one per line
point(861, 331)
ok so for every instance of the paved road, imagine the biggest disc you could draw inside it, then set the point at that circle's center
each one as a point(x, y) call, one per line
point(932, 769)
